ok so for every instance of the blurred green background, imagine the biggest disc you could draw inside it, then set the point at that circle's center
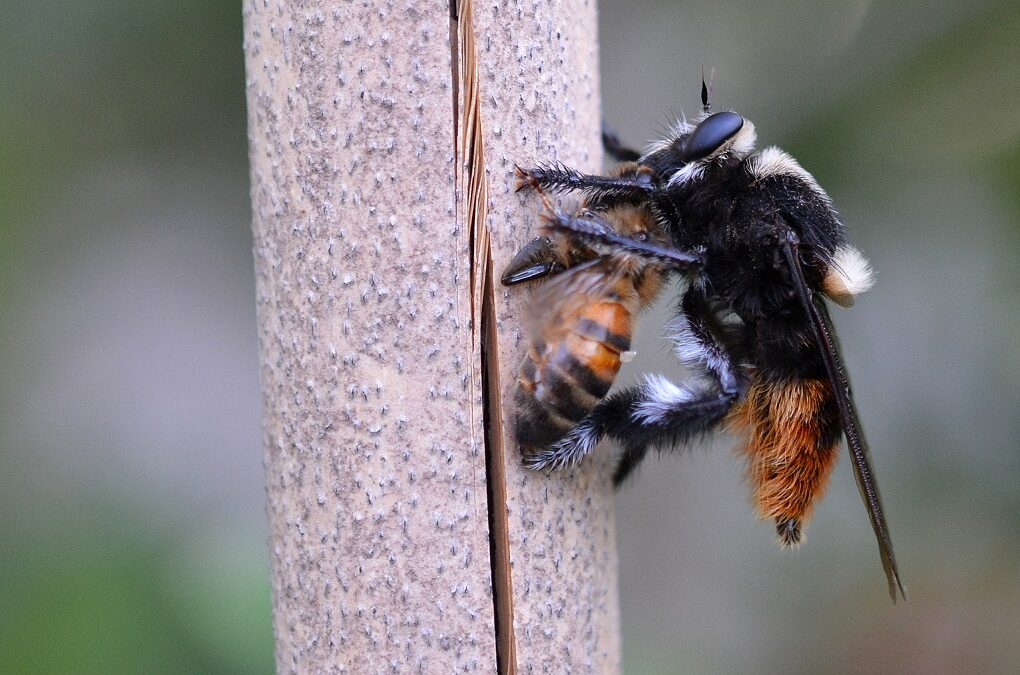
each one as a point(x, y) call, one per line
point(132, 531)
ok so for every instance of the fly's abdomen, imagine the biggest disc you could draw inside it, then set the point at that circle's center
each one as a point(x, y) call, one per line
point(566, 376)
point(792, 428)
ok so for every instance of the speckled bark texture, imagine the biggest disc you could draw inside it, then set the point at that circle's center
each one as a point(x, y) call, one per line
point(382, 151)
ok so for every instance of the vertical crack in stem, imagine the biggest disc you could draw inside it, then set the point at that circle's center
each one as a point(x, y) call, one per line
point(499, 535)
point(470, 166)
point(455, 80)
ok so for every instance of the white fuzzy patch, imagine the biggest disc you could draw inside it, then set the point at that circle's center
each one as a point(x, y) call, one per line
point(774, 162)
point(661, 398)
point(687, 349)
point(680, 128)
point(569, 450)
point(849, 275)
point(742, 144)
point(690, 172)
point(691, 351)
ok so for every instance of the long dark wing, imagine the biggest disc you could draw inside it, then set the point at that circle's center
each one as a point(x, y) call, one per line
point(828, 344)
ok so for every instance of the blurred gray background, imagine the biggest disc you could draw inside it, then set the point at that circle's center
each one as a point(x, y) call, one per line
point(131, 503)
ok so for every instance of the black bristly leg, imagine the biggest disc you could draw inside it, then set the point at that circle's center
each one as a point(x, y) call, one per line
point(615, 148)
point(696, 342)
point(658, 412)
point(671, 428)
point(666, 415)
point(604, 191)
point(593, 230)
point(601, 192)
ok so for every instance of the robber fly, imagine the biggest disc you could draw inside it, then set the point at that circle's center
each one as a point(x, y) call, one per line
point(759, 245)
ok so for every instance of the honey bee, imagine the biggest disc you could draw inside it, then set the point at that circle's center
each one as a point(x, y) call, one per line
point(581, 321)
point(764, 248)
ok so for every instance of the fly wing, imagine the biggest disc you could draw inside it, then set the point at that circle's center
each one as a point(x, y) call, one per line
point(828, 344)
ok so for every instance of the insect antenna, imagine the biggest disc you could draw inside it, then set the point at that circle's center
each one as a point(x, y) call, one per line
point(706, 90)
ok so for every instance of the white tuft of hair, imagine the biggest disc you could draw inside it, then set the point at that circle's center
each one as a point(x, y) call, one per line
point(849, 275)
point(680, 128)
point(661, 398)
point(742, 144)
point(569, 450)
point(774, 162)
point(690, 172)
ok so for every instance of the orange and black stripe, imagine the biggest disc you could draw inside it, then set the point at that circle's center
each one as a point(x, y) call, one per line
point(566, 376)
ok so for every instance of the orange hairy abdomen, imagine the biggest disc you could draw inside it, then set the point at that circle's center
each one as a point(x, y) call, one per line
point(789, 425)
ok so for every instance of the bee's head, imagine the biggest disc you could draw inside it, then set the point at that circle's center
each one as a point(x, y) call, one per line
point(636, 222)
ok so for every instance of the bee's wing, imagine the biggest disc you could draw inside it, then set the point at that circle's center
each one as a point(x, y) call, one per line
point(554, 303)
point(828, 344)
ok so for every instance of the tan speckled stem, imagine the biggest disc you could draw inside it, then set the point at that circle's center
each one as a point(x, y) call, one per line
point(405, 535)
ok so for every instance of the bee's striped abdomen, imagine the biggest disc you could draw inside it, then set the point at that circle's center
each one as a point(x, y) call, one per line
point(567, 374)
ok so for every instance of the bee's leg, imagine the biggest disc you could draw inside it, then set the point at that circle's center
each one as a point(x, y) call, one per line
point(538, 258)
point(615, 147)
point(605, 190)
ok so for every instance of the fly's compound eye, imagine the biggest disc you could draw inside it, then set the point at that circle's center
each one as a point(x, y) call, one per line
point(710, 135)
